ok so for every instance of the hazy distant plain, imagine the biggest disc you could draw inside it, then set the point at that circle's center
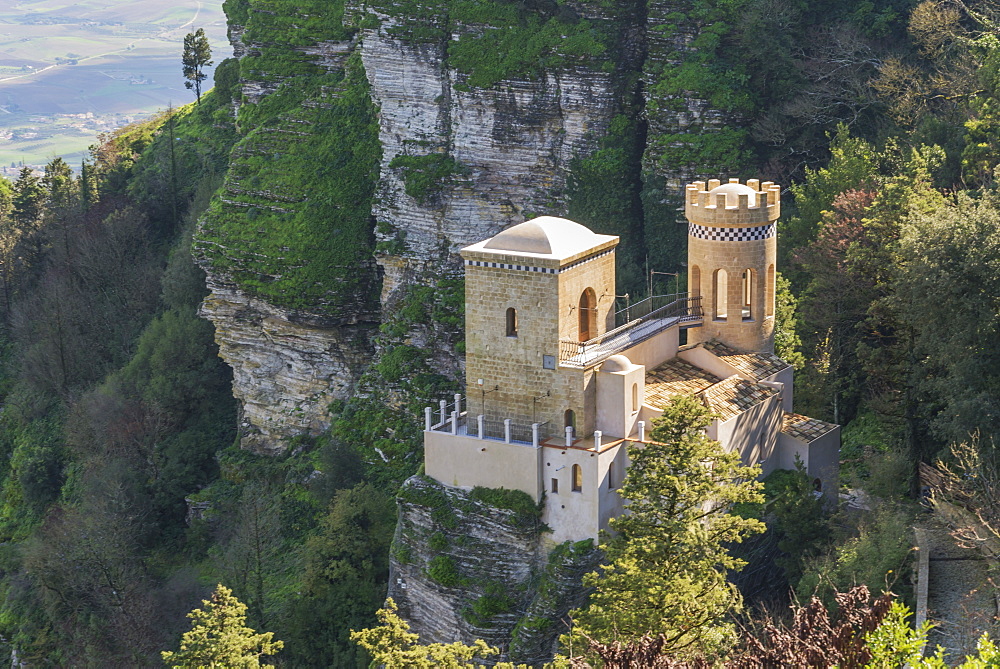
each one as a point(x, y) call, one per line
point(118, 60)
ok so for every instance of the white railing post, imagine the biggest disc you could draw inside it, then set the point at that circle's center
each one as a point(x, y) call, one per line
point(454, 422)
point(458, 402)
point(480, 420)
point(534, 435)
point(597, 440)
point(642, 430)
point(506, 430)
point(427, 418)
point(443, 407)
point(569, 435)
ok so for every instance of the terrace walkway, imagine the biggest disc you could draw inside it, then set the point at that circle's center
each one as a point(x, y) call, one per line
point(683, 311)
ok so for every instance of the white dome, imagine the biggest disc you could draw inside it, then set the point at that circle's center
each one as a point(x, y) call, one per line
point(545, 235)
point(733, 192)
point(617, 363)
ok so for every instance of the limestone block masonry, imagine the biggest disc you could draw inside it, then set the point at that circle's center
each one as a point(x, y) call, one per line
point(544, 291)
point(732, 251)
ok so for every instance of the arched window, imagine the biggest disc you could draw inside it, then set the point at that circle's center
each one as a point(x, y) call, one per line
point(817, 485)
point(570, 420)
point(611, 476)
point(511, 322)
point(635, 397)
point(588, 315)
point(695, 281)
point(720, 293)
point(748, 295)
point(577, 478)
point(770, 296)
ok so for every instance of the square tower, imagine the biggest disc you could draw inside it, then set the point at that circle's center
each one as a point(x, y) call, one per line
point(532, 286)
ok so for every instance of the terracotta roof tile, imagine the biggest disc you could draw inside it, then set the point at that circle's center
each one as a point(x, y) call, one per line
point(731, 397)
point(805, 428)
point(675, 377)
point(756, 365)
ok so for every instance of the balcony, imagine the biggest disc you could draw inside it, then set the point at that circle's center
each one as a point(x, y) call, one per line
point(642, 321)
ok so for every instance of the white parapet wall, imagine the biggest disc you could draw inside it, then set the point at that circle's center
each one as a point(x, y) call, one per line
point(465, 462)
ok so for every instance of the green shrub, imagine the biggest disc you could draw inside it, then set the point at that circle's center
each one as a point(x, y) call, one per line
point(442, 570)
point(515, 500)
point(424, 176)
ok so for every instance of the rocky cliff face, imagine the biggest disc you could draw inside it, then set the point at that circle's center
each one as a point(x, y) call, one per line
point(466, 566)
point(287, 368)
point(508, 148)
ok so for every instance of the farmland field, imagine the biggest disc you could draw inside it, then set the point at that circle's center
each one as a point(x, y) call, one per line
point(69, 70)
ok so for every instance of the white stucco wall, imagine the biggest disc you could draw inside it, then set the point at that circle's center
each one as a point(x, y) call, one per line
point(711, 363)
point(821, 458)
point(656, 350)
point(615, 417)
point(465, 462)
point(753, 434)
point(786, 378)
point(572, 515)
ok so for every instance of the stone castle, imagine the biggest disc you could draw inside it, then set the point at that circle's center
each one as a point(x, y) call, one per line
point(559, 384)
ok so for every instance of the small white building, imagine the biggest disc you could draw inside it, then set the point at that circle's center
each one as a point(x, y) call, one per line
point(558, 384)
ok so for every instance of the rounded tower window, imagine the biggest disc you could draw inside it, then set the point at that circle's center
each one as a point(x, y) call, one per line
point(720, 294)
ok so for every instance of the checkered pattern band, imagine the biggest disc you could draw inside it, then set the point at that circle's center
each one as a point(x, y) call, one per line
point(503, 265)
point(529, 268)
point(755, 233)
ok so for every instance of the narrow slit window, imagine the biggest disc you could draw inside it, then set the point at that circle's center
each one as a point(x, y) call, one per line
point(770, 296)
point(611, 476)
point(577, 478)
point(555, 486)
point(748, 295)
point(587, 315)
point(511, 322)
point(635, 397)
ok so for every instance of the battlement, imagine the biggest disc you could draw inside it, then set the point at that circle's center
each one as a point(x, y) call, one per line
point(732, 204)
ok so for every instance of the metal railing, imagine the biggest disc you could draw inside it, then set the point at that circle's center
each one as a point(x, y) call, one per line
point(637, 329)
point(645, 307)
point(450, 419)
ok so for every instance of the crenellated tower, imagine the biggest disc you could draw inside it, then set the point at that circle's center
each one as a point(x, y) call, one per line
point(732, 250)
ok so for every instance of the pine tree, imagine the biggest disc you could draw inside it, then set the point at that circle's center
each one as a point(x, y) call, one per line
point(196, 56)
point(220, 638)
point(393, 646)
point(665, 577)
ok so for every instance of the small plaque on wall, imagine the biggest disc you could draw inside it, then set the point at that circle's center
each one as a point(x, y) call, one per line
point(548, 362)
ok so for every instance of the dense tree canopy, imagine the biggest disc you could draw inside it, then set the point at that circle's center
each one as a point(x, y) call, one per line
point(667, 564)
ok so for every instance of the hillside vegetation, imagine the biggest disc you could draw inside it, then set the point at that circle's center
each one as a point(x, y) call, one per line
point(124, 495)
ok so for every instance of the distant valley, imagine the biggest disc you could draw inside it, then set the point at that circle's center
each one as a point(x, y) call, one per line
point(69, 71)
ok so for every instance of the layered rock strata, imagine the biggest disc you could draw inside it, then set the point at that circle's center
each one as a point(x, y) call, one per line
point(512, 145)
point(463, 569)
point(287, 367)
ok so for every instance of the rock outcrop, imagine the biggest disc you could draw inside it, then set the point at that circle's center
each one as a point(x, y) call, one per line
point(287, 367)
point(466, 566)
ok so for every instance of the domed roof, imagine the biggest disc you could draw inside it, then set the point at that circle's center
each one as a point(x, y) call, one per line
point(617, 363)
point(545, 235)
point(733, 192)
